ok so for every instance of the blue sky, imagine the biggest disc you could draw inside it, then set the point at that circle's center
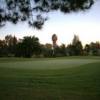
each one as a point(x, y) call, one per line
point(84, 24)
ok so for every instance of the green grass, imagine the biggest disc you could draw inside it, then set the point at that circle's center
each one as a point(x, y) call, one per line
point(72, 78)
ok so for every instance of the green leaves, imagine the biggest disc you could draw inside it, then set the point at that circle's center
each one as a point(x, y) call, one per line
point(24, 10)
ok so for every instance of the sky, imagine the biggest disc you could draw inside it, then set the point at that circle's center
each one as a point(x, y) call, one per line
point(84, 24)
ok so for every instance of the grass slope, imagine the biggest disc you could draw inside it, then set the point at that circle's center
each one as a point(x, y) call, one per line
point(71, 79)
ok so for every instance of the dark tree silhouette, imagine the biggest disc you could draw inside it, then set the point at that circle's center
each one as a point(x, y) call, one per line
point(11, 42)
point(8, 46)
point(87, 49)
point(28, 47)
point(32, 10)
point(3, 48)
point(63, 49)
point(75, 48)
point(92, 49)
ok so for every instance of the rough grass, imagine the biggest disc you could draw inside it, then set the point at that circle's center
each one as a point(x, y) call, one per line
point(50, 79)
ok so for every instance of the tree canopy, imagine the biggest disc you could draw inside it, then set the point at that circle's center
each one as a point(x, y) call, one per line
point(32, 10)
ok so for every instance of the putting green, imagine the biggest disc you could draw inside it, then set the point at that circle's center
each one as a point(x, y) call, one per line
point(47, 63)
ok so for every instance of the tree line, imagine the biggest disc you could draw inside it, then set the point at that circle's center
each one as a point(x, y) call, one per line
point(30, 46)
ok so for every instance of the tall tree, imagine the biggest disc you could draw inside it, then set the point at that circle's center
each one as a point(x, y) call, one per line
point(3, 48)
point(11, 42)
point(75, 39)
point(94, 48)
point(28, 47)
point(77, 46)
point(32, 10)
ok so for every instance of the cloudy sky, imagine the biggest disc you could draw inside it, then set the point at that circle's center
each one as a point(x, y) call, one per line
point(84, 24)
